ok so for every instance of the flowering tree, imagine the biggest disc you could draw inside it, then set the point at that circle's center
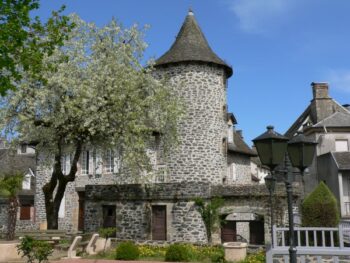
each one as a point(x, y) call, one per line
point(96, 92)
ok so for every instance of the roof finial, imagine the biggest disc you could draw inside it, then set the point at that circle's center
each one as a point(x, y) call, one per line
point(190, 11)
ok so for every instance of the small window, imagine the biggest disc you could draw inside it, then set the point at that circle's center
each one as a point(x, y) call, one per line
point(108, 161)
point(26, 182)
point(25, 212)
point(85, 163)
point(341, 146)
point(231, 172)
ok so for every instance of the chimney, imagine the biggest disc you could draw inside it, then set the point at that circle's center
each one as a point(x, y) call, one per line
point(320, 90)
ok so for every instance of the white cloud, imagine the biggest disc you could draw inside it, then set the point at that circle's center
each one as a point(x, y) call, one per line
point(339, 79)
point(259, 16)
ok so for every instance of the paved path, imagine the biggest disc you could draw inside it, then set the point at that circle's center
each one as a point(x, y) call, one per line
point(100, 261)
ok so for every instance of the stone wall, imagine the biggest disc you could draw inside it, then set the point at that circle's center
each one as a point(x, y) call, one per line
point(134, 205)
point(200, 156)
point(241, 170)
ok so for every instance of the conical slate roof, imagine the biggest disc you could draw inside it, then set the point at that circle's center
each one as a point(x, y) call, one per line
point(191, 45)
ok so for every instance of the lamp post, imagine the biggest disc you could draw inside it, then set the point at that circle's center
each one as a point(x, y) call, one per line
point(270, 183)
point(272, 147)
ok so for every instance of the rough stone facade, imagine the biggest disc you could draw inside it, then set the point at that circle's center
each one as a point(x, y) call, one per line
point(240, 171)
point(200, 156)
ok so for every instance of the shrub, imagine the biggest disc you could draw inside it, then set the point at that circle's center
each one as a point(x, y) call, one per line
point(178, 252)
point(258, 257)
point(127, 251)
point(147, 251)
point(217, 255)
point(34, 249)
point(320, 209)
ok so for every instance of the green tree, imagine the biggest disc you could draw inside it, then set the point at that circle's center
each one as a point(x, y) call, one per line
point(210, 213)
point(97, 93)
point(10, 184)
point(320, 208)
point(24, 41)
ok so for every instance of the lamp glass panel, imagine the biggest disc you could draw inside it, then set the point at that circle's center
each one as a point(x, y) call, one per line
point(264, 151)
point(309, 152)
point(278, 150)
point(295, 155)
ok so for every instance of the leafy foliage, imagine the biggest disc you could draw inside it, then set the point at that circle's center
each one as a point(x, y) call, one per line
point(96, 93)
point(106, 233)
point(210, 213)
point(320, 208)
point(258, 257)
point(34, 249)
point(25, 41)
point(178, 253)
point(127, 251)
point(150, 251)
point(10, 184)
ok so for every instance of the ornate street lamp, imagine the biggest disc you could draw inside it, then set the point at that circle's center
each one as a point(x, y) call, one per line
point(301, 151)
point(270, 183)
point(271, 147)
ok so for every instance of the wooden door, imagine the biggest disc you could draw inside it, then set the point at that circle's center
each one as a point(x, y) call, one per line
point(256, 232)
point(81, 211)
point(109, 216)
point(228, 231)
point(159, 222)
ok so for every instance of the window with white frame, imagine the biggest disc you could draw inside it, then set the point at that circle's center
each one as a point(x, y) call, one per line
point(230, 134)
point(231, 173)
point(108, 161)
point(85, 163)
point(66, 163)
point(341, 146)
point(26, 182)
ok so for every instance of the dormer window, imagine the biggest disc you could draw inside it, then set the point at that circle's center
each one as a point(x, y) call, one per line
point(341, 145)
point(230, 134)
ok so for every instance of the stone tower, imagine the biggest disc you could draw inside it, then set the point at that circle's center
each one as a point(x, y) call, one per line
point(200, 78)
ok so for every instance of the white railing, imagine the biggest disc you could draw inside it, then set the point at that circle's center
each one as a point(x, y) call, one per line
point(311, 241)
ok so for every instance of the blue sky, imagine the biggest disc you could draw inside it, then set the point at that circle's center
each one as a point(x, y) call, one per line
point(276, 47)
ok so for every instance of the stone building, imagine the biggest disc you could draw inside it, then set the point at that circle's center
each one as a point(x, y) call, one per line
point(328, 123)
point(212, 160)
point(22, 161)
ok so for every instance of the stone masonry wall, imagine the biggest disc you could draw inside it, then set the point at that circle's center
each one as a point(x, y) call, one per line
point(200, 156)
point(241, 169)
point(134, 209)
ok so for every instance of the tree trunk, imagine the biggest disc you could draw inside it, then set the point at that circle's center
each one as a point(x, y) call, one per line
point(12, 218)
point(54, 189)
point(53, 201)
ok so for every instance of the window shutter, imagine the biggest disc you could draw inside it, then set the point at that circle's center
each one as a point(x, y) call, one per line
point(25, 212)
